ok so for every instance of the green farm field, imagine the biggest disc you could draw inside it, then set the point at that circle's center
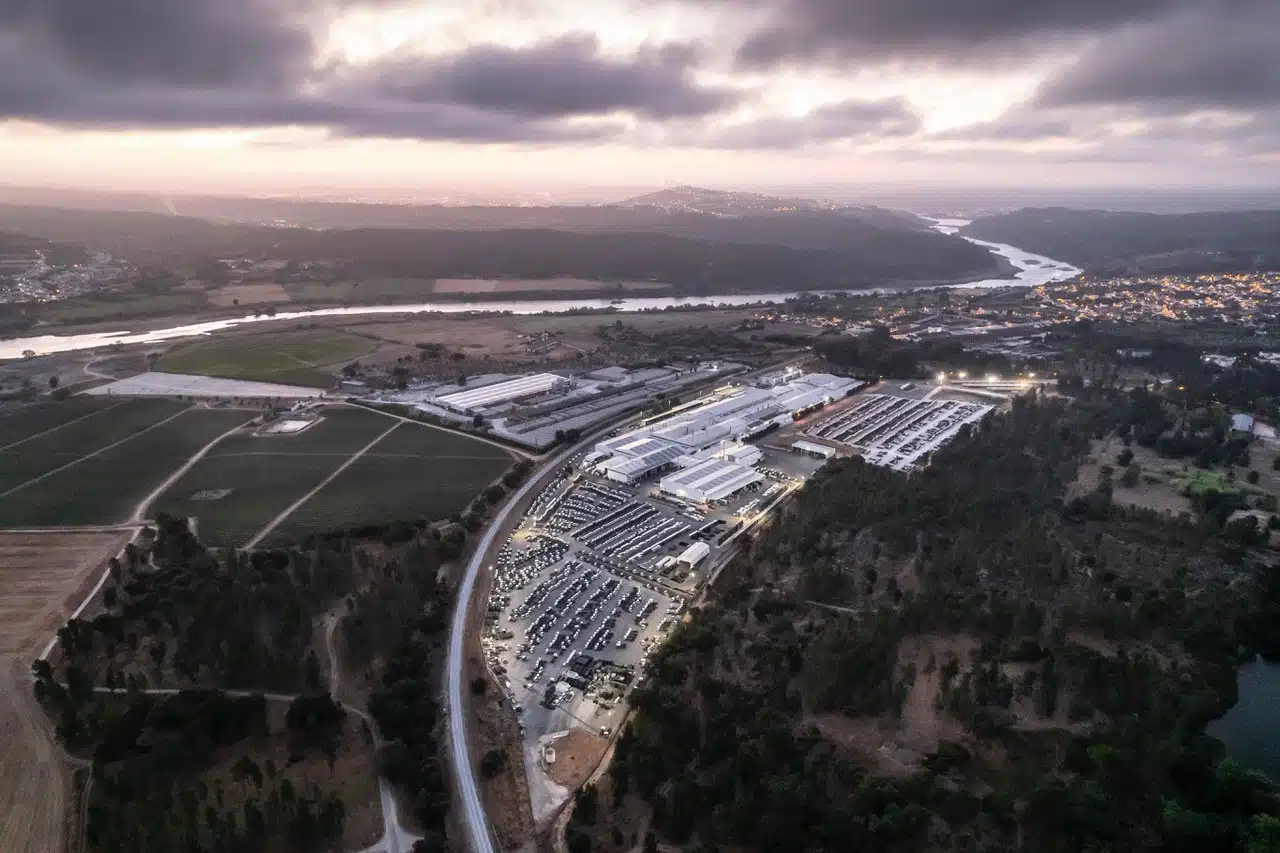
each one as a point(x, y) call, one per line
point(265, 474)
point(416, 472)
point(104, 489)
point(36, 418)
point(40, 454)
point(310, 357)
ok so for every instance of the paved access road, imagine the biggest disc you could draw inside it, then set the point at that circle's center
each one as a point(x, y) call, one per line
point(479, 835)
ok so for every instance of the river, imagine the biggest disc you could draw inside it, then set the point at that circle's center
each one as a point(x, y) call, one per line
point(1032, 270)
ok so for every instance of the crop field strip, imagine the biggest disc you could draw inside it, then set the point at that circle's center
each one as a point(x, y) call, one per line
point(25, 462)
point(415, 472)
point(37, 419)
point(265, 474)
point(104, 489)
point(298, 357)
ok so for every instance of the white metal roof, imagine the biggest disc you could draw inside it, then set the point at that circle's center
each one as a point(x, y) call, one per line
point(502, 391)
point(810, 447)
point(695, 553)
point(710, 480)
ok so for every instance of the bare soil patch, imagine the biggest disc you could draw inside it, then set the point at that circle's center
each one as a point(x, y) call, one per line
point(44, 577)
point(259, 293)
point(34, 778)
point(577, 755)
point(897, 747)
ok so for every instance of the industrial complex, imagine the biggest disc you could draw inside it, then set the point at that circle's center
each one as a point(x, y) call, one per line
point(705, 437)
point(536, 410)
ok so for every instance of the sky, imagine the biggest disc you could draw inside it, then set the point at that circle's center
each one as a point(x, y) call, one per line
point(349, 95)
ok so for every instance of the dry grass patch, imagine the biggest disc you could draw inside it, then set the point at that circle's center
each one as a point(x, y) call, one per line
point(1158, 484)
point(45, 576)
point(489, 285)
point(260, 293)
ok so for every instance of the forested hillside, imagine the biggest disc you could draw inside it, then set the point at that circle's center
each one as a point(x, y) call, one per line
point(962, 659)
point(211, 765)
point(698, 253)
point(1119, 241)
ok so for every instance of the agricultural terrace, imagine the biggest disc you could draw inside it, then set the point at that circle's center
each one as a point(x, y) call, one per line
point(40, 445)
point(247, 480)
point(104, 484)
point(416, 472)
point(44, 576)
point(310, 357)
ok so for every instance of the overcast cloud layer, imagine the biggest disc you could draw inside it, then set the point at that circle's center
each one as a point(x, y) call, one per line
point(1186, 79)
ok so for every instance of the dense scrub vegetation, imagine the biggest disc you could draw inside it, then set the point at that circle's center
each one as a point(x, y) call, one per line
point(1059, 660)
point(176, 614)
point(147, 793)
point(405, 708)
point(189, 615)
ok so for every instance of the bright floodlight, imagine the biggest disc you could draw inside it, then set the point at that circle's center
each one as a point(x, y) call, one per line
point(963, 375)
point(942, 377)
point(1031, 376)
point(991, 377)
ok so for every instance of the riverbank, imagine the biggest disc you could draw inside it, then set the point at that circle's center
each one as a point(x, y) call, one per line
point(1029, 270)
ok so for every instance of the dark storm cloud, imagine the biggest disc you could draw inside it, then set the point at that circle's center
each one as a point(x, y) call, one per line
point(847, 120)
point(1222, 55)
point(138, 64)
point(178, 42)
point(862, 31)
point(565, 77)
point(1014, 127)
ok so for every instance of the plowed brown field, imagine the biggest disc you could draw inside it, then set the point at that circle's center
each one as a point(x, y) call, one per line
point(43, 578)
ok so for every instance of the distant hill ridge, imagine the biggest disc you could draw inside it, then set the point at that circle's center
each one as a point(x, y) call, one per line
point(1126, 241)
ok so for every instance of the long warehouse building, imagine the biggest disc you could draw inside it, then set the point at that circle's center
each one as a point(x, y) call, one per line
point(681, 440)
point(474, 399)
point(713, 480)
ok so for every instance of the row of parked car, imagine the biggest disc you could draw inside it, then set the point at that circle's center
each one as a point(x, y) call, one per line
point(584, 504)
point(515, 569)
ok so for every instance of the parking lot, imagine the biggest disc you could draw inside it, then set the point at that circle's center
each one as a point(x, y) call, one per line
point(590, 582)
point(898, 431)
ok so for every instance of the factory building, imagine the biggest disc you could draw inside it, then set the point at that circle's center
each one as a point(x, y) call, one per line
point(712, 480)
point(474, 400)
point(699, 433)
